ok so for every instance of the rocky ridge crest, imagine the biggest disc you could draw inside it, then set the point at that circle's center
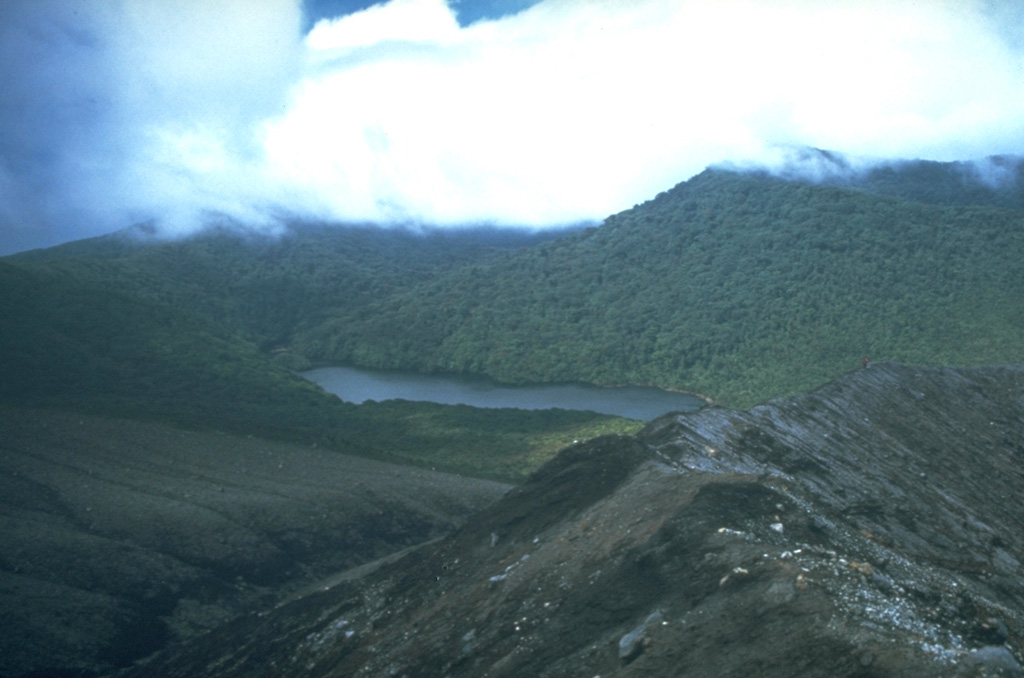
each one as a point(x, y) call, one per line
point(868, 528)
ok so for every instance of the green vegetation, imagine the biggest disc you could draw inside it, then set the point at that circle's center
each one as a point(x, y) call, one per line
point(267, 288)
point(71, 342)
point(740, 287)
point(998, 182)
point(502, 444)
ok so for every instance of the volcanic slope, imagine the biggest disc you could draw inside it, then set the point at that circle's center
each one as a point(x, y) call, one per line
point(119, 536)
point(738, 286)
point(868, 528)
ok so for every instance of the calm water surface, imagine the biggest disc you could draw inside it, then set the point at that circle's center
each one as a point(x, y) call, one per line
point(357, 385)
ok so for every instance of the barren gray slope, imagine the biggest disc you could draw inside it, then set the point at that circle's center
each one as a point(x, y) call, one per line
point(872, 527)
point(117, 536)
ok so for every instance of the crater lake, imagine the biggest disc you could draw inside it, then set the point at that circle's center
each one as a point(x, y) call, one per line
point(357, 385)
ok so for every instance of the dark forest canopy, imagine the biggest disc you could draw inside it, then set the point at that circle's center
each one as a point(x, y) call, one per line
point(996, 181)
point(187, 333)
point(739, 286)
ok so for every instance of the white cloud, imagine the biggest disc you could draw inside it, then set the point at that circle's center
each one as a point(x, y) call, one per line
point(570, 110)
point(398, 20)
point(575, 110)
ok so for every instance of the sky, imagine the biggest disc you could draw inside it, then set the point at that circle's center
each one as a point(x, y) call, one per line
point(508, 112)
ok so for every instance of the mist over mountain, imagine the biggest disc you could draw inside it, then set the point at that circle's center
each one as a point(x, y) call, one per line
point(543, 112)
point(817, 534)
point(995, 180)
point(737, 285)
point(998, 180)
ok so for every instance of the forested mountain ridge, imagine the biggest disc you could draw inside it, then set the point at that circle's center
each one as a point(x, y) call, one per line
point(738, 286)
point(83, 335)
point(265, 286)
point(996, 181)
point(68, 341)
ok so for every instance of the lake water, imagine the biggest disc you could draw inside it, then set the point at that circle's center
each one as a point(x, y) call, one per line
point(357, 385)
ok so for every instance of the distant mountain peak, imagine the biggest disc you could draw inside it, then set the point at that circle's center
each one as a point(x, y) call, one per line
point(995, 180)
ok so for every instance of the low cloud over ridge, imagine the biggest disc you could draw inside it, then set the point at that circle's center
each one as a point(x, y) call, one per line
point(172, 110)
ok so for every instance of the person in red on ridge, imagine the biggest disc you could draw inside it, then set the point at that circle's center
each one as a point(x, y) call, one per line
point(865, 360)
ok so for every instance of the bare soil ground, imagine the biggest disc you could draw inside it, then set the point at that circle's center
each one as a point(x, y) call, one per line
point(119, 536)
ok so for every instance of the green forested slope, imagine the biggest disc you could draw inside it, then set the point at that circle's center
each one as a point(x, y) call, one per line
point(740, 287)
point(736, 286)
point(68, 341)
point(71, 341)
point(267, 287)
point(996, 181)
